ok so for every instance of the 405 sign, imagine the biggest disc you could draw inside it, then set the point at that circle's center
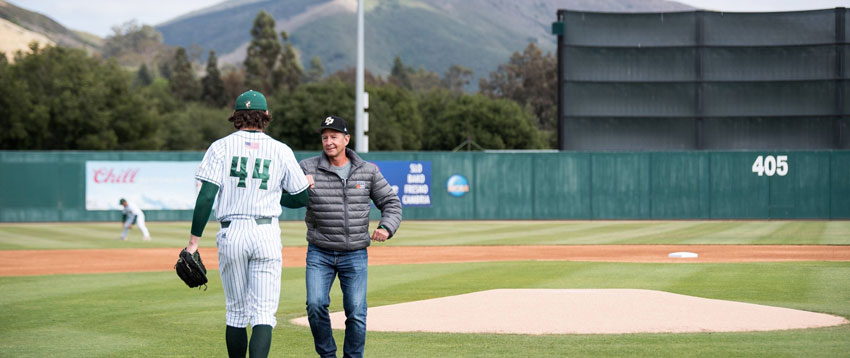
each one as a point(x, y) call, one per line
point(770, 165)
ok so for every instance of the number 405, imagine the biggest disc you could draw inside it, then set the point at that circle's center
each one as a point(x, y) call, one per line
point(769, 165)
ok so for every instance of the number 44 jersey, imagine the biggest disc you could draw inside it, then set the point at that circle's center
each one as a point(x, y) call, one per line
point(251, 170)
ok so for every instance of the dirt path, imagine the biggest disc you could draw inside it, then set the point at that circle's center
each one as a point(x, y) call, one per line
point(48, 262)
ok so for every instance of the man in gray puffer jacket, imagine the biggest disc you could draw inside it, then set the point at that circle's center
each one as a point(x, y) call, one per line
point(337, 220)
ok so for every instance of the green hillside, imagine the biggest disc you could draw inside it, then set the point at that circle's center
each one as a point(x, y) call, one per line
point(225, 30)
point(435, 41)
point(434, 34)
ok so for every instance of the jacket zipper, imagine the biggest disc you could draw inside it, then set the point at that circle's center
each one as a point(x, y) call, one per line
point(345, 214)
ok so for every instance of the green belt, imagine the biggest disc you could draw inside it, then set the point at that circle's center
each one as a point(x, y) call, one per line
point(259, 221)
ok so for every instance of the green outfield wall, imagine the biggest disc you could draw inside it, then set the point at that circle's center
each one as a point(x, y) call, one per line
point(51, 186)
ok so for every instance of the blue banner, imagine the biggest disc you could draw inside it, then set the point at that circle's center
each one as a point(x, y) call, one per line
point(410, 180)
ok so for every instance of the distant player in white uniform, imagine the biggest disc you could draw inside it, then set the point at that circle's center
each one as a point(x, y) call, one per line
point(248, 172)
point(133, 215)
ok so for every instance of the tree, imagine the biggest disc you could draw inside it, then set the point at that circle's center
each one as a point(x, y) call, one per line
point(60, 98)
point(234, 84)
point(166, 64)
point(490, 123)
point(423, 80)
point(394, 119)
point(289, 71)
point(194, 126)
point(406, 77)
point(457, 78)
point(183, 83)
point(212, 91)
point(349, 75)
point(143, 76)
point(263, 52)
point(316, 71)
point(400, 74)
point(132, 45)
point(529, 78)
point(395, 122)
point(297, 115)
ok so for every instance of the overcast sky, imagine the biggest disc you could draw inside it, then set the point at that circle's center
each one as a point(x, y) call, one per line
point(98, 16)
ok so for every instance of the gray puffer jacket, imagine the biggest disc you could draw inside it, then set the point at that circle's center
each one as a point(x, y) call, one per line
point(338, 213)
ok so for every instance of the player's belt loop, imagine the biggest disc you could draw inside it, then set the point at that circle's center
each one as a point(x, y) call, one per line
point(225, 224)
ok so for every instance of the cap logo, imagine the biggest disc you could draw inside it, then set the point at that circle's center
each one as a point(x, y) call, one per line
point(329, 120)
point(247, 104)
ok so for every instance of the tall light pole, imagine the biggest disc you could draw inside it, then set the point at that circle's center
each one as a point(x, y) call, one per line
point(361, 120)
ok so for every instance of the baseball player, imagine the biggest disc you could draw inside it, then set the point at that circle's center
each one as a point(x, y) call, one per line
point(248, 172)
point(133, 215)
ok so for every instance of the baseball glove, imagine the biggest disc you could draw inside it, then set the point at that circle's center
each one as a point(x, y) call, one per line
point(191, 269)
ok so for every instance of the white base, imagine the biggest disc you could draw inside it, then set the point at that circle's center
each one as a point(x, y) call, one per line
point(683, 254)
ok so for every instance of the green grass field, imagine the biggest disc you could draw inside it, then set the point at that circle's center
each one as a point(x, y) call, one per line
point(154, 315)
point(51, 236)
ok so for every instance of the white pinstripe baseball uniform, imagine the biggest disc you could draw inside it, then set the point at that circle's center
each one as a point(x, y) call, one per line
point(251, 169)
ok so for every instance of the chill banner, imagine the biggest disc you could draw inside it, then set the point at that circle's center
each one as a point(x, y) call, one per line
point(151, 185)
point(410, 180)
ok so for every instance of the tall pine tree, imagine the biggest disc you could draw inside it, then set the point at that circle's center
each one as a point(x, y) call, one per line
point(289, 72)
point(143, 76)
point(316, 71)
point(400, 74)
point(212, 91)
point(184, 86)
point(263, 52)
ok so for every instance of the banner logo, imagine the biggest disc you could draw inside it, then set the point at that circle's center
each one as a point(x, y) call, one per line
point(457, 185)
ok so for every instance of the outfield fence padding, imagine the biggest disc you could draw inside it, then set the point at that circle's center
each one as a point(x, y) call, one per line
point(50, 186)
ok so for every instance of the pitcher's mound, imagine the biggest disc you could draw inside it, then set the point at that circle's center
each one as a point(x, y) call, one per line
point(581, 311)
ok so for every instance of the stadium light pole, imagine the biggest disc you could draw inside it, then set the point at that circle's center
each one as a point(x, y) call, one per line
point(361, 121)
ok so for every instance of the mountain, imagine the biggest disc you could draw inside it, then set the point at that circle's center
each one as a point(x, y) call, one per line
point(22, 26)
point(434, 34)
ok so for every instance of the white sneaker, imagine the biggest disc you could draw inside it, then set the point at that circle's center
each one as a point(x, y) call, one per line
point(146, 238)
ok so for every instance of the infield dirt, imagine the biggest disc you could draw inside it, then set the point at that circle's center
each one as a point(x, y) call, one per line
point(49, 262)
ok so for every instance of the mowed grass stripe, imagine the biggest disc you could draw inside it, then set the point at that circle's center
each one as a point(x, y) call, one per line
point(627, 233)
point(450, 233)
point(750, 231)
point(797, 232)
point(661, 232)
point(477, 233)
point(835, 230)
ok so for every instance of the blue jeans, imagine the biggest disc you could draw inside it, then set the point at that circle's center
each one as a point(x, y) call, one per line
point(352, 269)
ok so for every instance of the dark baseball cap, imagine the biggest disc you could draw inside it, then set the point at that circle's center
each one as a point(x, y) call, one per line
point(335, 123)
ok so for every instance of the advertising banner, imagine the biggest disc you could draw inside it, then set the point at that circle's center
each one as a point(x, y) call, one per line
point(410, 180)
point(150, 185)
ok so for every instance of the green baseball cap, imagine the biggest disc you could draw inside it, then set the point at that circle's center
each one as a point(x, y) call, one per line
point(251, 100)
